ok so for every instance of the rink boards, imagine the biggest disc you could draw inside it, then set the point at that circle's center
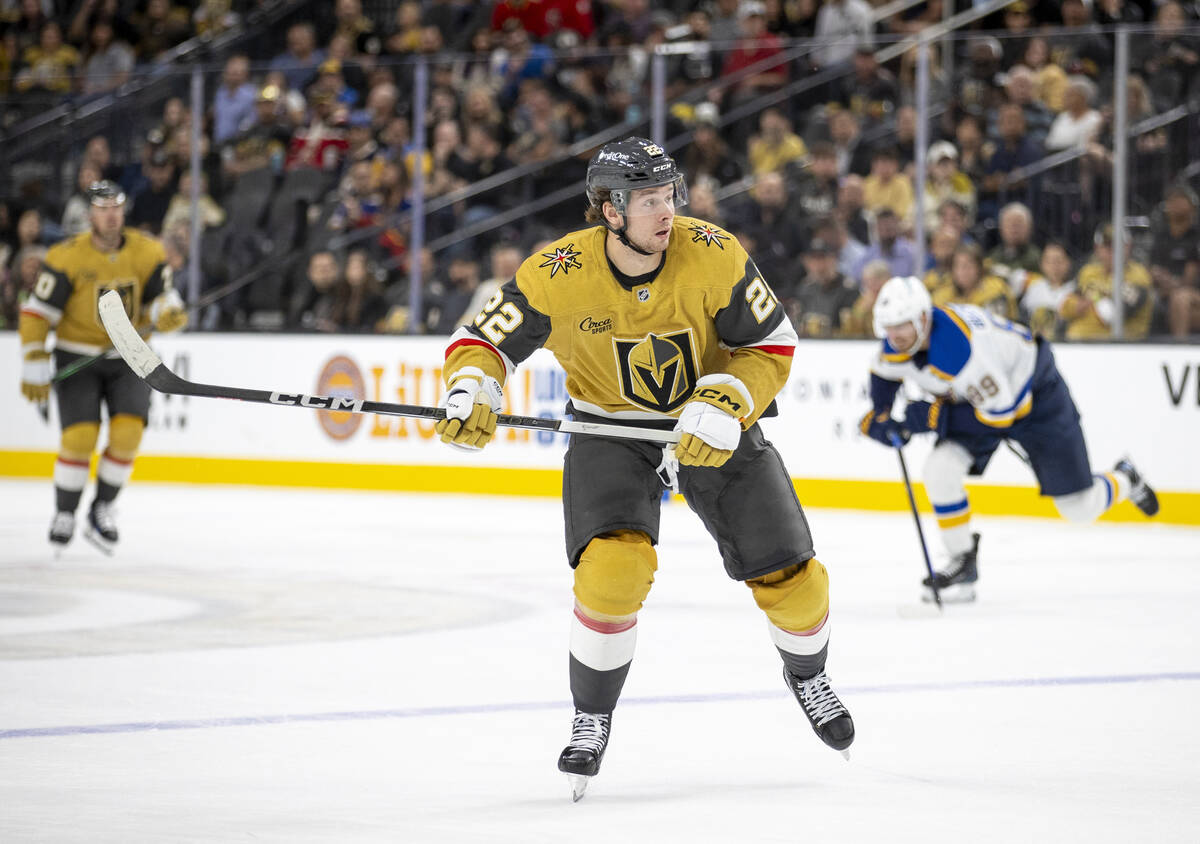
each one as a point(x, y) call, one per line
point(1140, 399)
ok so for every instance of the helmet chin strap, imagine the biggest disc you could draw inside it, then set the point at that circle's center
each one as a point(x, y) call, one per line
point(922, 324)
point(621, 236)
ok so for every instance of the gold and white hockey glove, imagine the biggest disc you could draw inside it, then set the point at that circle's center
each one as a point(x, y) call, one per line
point(167, 312)
point(711, 421)
point(472, 402)
point(35, 376)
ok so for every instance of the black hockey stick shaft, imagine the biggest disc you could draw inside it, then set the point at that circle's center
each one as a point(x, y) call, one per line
point(149, 366)
point(912, 503)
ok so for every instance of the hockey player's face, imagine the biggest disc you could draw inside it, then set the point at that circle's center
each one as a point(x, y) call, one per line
point(904, 337)
point(108, 220)
point(649, 217)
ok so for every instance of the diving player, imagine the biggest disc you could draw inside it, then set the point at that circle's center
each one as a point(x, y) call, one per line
point(74, 274)
point(661, 321)
point(992, 381)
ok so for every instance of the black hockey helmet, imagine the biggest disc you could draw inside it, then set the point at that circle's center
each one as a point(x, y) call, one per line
point(622, 167)
point(105, 194)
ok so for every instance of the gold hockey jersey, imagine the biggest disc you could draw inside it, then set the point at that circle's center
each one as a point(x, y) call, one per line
point(634, 350)
point(73, 277)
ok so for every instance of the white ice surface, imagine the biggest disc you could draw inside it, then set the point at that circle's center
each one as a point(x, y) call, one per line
point(302, 666)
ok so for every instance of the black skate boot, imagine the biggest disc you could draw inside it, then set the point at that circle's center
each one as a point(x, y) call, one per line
point(1140, 492)
point(829, 718)
point(956, 583)
point(62, 530)
point(101, 530)
point(580, 760)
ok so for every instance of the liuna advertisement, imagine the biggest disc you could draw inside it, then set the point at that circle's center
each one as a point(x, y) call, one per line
point(1141, 400)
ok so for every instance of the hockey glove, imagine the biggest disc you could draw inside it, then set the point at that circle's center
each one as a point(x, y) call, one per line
point(881, 427)
point(167, 313)
point(922, 416)
point(471, 403)
point(710, 423)
point(35, 376)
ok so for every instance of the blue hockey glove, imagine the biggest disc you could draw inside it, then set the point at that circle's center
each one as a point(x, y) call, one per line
point(880, 426)
point(922, 416)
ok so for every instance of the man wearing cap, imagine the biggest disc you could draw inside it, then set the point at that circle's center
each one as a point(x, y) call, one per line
point(825, 297)
point(945, 181)
point(74, 274)
point(1090, 310)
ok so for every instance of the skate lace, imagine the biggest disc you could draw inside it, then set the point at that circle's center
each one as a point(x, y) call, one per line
point(818, 699)
point(103, 517)
point(63, 523)
point(589, 732)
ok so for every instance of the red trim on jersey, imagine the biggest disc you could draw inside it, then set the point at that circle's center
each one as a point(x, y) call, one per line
point(604, 626)
point(471, 341)
point(32, 313)
point(84, 463)
point(785, 351)
point(813, 631)
point(108, 456)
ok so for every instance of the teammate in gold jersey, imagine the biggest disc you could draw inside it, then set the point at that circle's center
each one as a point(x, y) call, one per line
point(662, 321)
point(74, 275)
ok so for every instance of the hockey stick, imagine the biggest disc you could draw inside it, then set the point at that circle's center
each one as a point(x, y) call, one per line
point(149, 366)
point(912, 502)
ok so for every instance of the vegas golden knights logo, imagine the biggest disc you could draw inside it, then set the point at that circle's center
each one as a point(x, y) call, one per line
point(657, 372)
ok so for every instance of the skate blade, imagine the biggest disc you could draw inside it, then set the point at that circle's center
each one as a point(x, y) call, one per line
point(99, 542)
point(959, 593)
point(579, 784)
point(845, 754)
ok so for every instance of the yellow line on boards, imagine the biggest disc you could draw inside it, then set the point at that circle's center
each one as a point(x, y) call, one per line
point(1180, 508)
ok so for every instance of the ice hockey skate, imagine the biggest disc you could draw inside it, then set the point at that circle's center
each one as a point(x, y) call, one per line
point(829, 718)
point(956, 583)
point(1140, 493)
point(101, 529)
point(581, 758)
point(62, 530)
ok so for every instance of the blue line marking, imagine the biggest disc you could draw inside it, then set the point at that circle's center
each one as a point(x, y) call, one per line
point(491, 708)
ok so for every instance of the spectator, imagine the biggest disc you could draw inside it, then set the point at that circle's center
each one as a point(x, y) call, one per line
point(815, 187)
point(322, 144)
point(505, 260)
point(315, 303)
point(446, 301)
point(1049, 80)
point(538, 129)
point(150, 204)
point(850, 252)
point(49, 67)
point(702, 201)
point(886, 187)
point(1170, 58)
point(841, 25)
point(978, 91)
point(480, 158)
point(480, 109)
point(1088, 50)
point(1175, 262)
point(1078, 123)
point(899, 252)
point(1018, 28)
point(19, 282)
point(974, 151)
point(859, 322)
point(1046, 292)
point(341, 50)
point(109, 62)
point(708, 154)
point(850, 209)
point(405, 35)
point(852, 155)
point(971, 285)
point(942, 243)
point(870, 92)
point(1019, 89)
point(179, 211)
point(946, 181)
point(213, 17)
point(358, 200)
point(825, 298)
point(91, 12)
point(262, 144)
point(299, 61)
point(1014, 150)
point(905, 142)
point(1089, 311)
point(518, 59)
point(774, 228)
point(358, 30)
point(755, 47)
point(723, 27)
point(160, 26)
point(776, 145)
point(233, 104)
point(545, 18)
point(75, 212)
point(98, 153)
point(1017, 255)
point(358, 302)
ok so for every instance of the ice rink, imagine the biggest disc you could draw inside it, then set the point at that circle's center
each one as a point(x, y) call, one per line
point(303, 666)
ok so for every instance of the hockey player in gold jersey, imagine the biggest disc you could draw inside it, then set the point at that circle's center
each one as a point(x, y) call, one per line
point(74, 275)
point(661, 321)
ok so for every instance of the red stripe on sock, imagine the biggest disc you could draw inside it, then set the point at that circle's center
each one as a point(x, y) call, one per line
point(811, 632)
point(608, 627)
point(108, 456)
point(68, 462)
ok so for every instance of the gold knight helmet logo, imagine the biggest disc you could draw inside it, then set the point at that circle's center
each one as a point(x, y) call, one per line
point(657, 372)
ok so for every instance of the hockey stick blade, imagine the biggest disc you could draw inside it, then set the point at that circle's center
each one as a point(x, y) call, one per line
point(150, 368)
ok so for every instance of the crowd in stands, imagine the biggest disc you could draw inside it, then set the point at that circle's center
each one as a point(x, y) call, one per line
point(309, 167)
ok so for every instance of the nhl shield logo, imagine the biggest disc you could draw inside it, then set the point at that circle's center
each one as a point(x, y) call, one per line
point(643, 294)
point(658, 372)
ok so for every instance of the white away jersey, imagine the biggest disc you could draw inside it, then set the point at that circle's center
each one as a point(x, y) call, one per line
point(973, 356)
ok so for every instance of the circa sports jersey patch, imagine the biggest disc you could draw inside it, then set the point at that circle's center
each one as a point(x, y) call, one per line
point(658, 372)
point(564, 258)
point(708, 234)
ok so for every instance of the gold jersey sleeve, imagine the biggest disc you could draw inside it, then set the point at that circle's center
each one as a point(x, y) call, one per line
point(637, 352)
point(74, 276)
